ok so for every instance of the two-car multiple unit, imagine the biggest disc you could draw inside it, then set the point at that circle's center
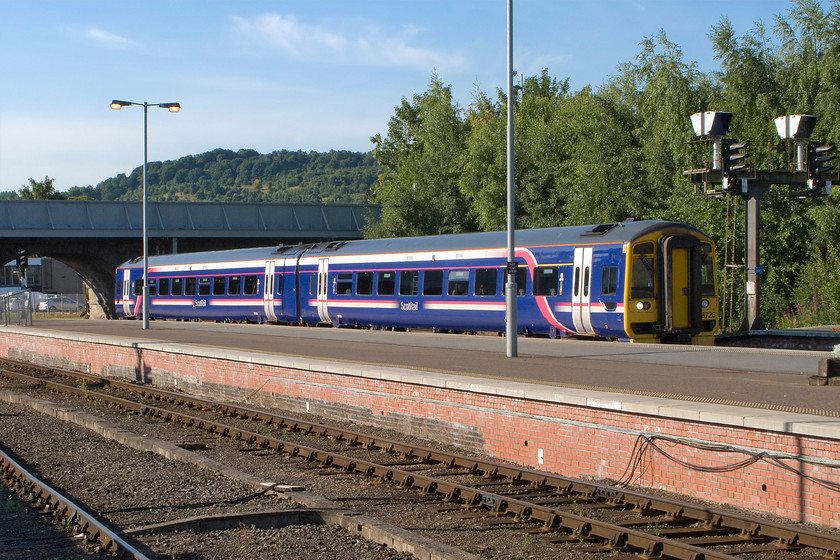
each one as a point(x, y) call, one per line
point(635, 280)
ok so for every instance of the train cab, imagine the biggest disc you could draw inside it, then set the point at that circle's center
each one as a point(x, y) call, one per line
point(671, 294)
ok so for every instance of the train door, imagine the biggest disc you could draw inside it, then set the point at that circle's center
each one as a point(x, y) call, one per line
point(126, 292)
point(580, 290)
point(323, 285)
point(681, 281)
point(269, 292)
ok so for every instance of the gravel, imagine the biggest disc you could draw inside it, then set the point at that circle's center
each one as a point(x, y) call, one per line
point(143, 488)
point(131, 488)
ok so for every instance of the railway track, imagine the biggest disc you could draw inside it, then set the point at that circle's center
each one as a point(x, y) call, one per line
point(589, 517)
point(48, 500)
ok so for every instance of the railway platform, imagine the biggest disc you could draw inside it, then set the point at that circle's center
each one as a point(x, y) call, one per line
point(736, 376)
point(581, 408)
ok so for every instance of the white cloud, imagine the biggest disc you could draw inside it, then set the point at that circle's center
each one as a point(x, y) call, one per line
point(365, 45)
point(109, 39)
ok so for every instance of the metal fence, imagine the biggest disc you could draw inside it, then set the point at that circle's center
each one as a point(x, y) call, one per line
point(18, 308)
point(57, 303)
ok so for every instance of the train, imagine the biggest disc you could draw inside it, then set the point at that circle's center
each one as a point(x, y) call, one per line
point(636, 280)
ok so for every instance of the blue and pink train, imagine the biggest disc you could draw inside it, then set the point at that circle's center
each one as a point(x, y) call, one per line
point(635, 280)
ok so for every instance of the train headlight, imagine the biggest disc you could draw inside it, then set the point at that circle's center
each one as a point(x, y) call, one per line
point(642, 305)
point(704, 304)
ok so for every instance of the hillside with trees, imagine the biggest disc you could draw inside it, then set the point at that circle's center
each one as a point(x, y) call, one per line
point(619, 152)
point(246, 176)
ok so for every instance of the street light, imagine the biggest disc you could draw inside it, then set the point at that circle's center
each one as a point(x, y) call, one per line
point(116, 104)
point(511, 321)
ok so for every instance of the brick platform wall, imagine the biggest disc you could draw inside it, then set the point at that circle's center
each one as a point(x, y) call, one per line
point(575, 441)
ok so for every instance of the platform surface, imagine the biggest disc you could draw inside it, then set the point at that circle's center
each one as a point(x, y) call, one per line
point(774, 380)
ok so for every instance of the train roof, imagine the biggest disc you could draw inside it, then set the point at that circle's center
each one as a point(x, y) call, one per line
point(616, 232)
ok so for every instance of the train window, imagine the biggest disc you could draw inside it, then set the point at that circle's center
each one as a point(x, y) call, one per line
point(409, 282)
point(643, 272)
point(609, 280)
point(545, 281)
point(364, 283)
point(312, 284)
point(218, 285)
point(577, 281)
point(707, 270)
point(432, 282)
point(189, 286)
point(486, 282)
point(386, 282)
point(344, 283)
point(204, 286)
point(234, 285)
point(163, 287)
point(138, 287)
point(521, 278)
point(251, 285)
point(458, 283)
point(177, 286)
point(152, 287)
point(643, 248)
point(586, 282)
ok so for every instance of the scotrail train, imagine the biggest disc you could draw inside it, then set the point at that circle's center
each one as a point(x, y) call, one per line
point(636, 280)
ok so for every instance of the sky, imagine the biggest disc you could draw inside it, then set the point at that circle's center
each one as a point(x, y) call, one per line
point(291, 74)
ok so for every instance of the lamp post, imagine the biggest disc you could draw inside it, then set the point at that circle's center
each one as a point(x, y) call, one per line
point(116, 104)
point(511, 326)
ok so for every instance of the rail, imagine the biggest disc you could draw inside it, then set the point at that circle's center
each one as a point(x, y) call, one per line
point(494, 489)
point(47, 498)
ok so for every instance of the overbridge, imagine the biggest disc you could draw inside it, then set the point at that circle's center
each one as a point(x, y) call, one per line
point(94, 237)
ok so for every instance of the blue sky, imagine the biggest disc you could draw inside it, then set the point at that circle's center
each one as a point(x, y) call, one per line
point(290, 74)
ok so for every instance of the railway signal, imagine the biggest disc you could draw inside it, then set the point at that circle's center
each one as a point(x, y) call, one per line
point(732, 162)
point(22, 259)
point(727, 162)
point(817, 157)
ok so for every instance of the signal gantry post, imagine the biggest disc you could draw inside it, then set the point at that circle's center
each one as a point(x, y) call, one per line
point(729, 169)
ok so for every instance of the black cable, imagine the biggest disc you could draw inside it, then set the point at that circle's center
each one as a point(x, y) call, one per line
point(647, 444)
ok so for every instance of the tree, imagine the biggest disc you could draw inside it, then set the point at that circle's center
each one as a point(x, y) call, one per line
point(422, 156)
point(40, 190)
point(602, 178)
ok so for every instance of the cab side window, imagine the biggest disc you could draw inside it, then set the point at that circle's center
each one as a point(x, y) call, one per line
point(609, 280)
point(643, 271)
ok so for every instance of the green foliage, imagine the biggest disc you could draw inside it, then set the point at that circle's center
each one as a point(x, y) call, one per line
point(40, 190)
point(247, 176)
point(422, 155)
